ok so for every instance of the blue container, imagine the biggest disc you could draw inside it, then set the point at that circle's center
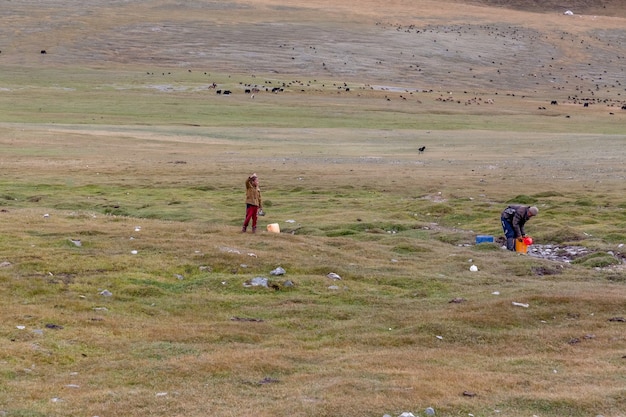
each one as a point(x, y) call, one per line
point(484, 239)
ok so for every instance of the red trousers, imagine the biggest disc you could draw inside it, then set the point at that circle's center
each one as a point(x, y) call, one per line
point(251, 214)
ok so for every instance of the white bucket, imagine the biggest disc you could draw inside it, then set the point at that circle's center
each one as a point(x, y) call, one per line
point(273, 228)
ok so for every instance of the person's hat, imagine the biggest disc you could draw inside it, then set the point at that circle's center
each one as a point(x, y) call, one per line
point(533, 210)
point(253, 176)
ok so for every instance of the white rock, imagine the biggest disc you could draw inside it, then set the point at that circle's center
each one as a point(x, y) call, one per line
point(334, 276)
point(473, 268)
point(256, 282)
point(278, 271)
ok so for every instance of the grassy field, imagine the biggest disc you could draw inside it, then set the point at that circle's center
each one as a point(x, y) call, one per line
point(124, 272)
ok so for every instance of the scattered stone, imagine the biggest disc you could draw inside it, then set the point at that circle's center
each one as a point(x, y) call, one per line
point(5, 264)
point(229, 250)
point(574, 341)
point(289, 283)
point(53, 326)
point(619, 319)
point(457, 300)
point(106, 293)
point(334, 276)
point(430, 411)
point(278, 271)
point(473, 268)
point(179, 276)
point(256, 282)
point(557, 253)
point(469, 394)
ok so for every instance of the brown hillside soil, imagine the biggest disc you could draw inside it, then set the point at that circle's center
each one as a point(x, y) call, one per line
point(417, 45)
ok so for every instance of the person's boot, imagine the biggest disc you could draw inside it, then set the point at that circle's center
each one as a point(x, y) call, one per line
point(243, 229)
point(254, 230)
point(510, 243)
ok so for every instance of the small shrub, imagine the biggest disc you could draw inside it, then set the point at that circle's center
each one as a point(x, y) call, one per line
point(487, 246)
point(615, 237)
point(597, 260)
point(547, 194)
point(407, 248)
point(566, 234)
point(522, 199)
point(584, 202)
point(340, 232)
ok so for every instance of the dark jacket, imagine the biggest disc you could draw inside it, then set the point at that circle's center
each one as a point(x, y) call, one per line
point(517, 216)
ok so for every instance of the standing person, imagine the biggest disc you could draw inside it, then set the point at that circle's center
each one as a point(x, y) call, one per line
point(513, 218)
point(253, 202)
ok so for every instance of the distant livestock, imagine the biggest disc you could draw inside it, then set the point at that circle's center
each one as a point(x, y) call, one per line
point(422, 149)
point(554, 102)
point(43, 52)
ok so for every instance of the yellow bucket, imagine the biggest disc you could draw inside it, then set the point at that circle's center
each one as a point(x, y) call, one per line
point(273, 228)
point(521, 246)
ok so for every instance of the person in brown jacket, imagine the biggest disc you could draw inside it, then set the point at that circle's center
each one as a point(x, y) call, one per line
point(513, 218)
point(254, 203)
